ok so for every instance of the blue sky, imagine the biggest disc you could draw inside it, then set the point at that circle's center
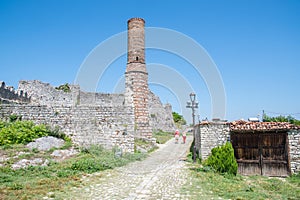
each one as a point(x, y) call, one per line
point(254, 44)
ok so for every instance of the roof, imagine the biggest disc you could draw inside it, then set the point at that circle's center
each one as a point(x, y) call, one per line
point(244, 126)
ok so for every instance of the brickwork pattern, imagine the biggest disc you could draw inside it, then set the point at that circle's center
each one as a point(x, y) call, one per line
point(136, 77)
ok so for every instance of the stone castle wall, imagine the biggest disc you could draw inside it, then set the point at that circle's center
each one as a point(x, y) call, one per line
point(89, 118)
point(91, 98)
point(86, 125)
point(44, 94)
point(161, 117)
point(9, 95)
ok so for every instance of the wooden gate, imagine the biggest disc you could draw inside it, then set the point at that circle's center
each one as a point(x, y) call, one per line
point(261, 153)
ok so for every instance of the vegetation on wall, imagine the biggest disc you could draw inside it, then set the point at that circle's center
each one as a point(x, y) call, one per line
point(65, 87)
point(281, 118)
point(178, 119)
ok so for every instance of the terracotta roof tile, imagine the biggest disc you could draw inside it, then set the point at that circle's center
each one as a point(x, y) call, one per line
point(261, 126)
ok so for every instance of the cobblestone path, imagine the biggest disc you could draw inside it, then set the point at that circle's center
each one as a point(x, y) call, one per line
point(160, 176)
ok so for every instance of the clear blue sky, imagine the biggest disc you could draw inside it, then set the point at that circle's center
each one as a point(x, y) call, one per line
point(254, 43)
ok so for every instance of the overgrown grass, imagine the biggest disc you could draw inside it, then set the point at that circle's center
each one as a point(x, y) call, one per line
point(162, 137)
point(205, 183)
point(146, 145)
point(36, 182)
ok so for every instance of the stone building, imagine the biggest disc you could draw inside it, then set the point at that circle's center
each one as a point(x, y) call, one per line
point(260, 148)
point(96, 118)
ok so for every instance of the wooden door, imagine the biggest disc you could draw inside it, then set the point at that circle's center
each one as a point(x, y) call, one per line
point(274, 155)
point(261, 153)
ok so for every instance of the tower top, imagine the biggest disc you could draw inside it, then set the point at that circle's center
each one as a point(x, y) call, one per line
point(136, 19)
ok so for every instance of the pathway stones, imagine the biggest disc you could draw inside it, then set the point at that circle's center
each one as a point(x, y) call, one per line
point(160, 176)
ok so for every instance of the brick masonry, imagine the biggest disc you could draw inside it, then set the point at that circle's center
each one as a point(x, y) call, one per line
point(136, 78)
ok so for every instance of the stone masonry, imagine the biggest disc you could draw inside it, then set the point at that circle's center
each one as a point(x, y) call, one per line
point(8, 94)
point(294, 150)
point(161, 117)
point(96, 118)
point(212, 134)
point(209, 135)
point(86, 125)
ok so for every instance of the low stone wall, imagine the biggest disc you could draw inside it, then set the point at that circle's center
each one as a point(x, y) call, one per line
point(209, 135)
point(86, 125)
point(294, 150)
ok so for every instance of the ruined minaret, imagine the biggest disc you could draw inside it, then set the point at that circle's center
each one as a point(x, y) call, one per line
point(136, 77)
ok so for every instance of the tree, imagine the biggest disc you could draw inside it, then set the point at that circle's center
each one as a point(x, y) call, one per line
point(281, 118)
point(178, 119)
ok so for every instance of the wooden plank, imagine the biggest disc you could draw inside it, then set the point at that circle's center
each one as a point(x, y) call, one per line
point(262, 153)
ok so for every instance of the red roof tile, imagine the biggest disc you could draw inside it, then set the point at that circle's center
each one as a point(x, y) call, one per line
point(261, 126)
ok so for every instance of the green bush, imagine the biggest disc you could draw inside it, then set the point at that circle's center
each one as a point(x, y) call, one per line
point(222, 159)
point(65, 87)
point(23, 132)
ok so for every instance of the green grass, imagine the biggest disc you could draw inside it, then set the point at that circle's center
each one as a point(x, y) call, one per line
point(162, 137)
point(205, 183)
point(36, 182)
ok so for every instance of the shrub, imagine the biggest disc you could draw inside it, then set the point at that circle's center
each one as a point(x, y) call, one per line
point(65, 87)
point(21, 132)
point(222, 159)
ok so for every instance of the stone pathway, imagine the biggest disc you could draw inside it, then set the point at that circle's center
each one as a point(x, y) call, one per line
point(160, 176)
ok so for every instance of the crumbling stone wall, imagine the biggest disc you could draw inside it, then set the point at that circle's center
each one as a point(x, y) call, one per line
point(86, 125)
point(44, 94)
point(161, 117)
point(9, 95)
point(294, 150)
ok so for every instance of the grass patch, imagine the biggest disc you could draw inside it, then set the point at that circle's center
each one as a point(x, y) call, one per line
point(37, 182)
point(206, 183)
point(162, 137)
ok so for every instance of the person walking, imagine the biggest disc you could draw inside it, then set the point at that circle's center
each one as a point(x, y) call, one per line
point(184, 136)
point(176, 136)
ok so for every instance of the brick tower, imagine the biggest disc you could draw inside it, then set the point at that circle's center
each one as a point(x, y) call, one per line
point(136, 77)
